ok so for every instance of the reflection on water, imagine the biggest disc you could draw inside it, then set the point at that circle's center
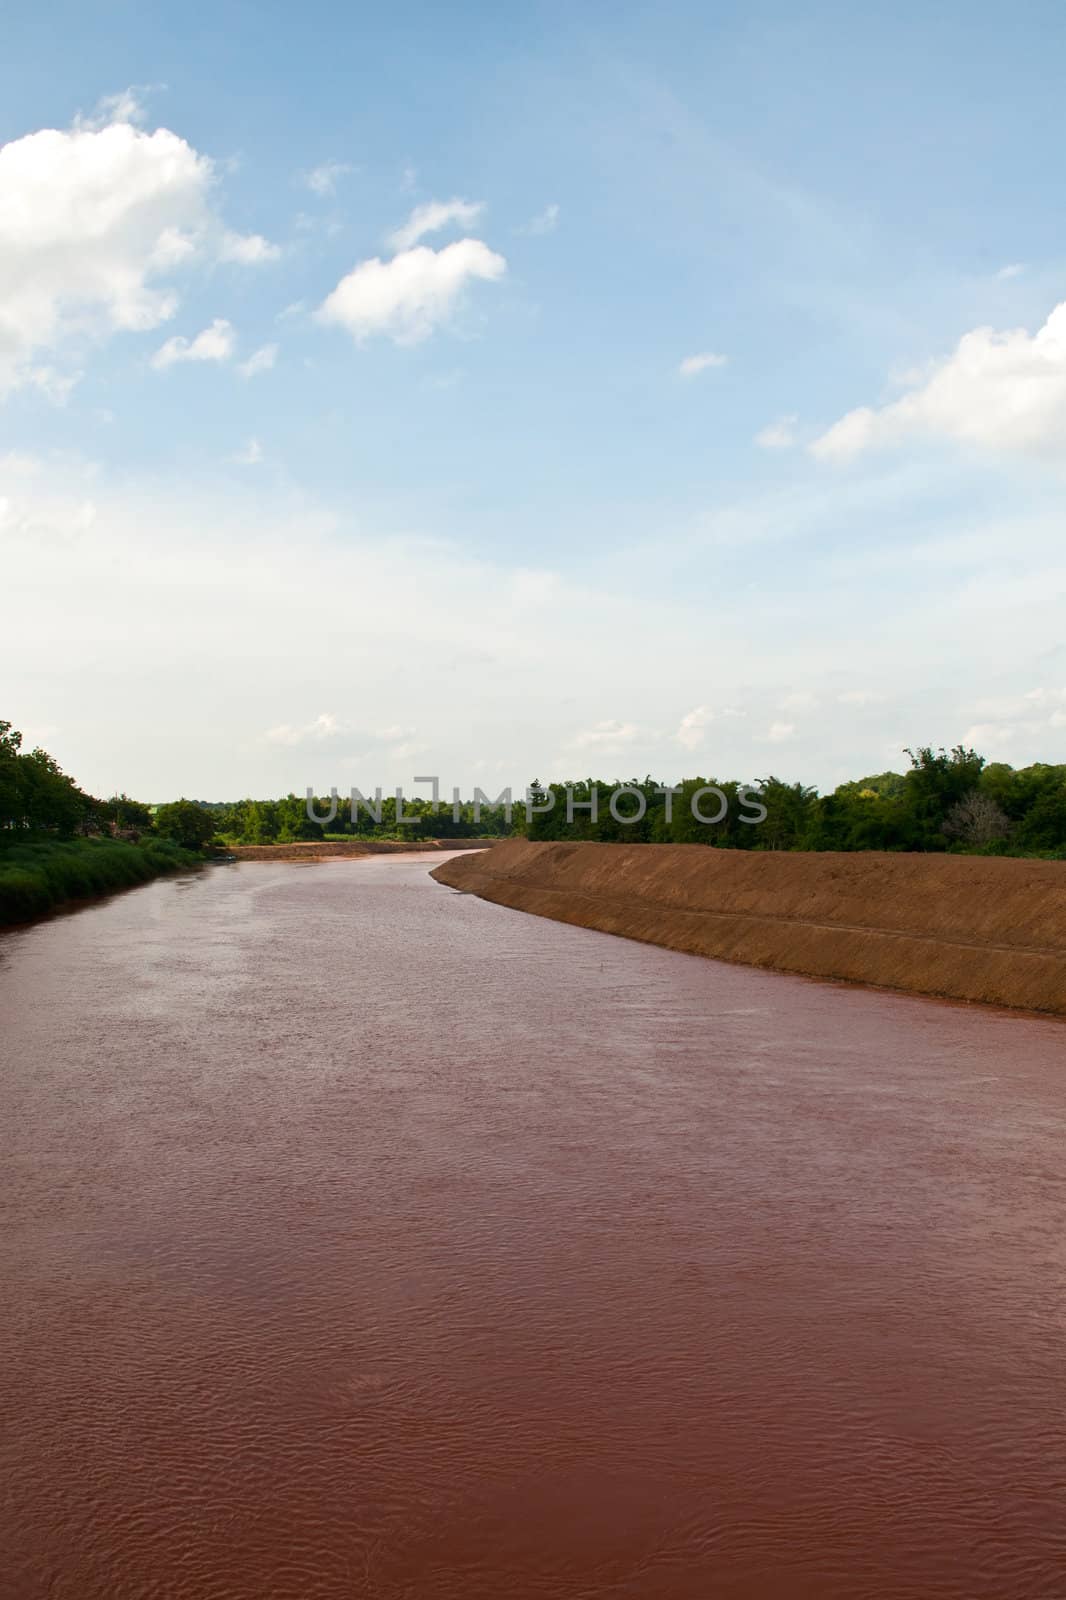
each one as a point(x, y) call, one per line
point(361, 1238)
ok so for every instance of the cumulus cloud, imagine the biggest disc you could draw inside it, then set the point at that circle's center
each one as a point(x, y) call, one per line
point(984, 736)
point(1033, 717)
point(260, 360)
point(696, 364)
point(323, 180)
point(411, 295)
point(382, 745)
point(95, 221)
point(324, 726)
point(108, 557)
point(125, 106)
point(1002, 391)
point(779, 435)
point(55, 385)
point(213, 344)
point(248, 249)
point(605, 736)
point(1044, 697)
point(693, 727)
point(545, 221)
point(432, 217)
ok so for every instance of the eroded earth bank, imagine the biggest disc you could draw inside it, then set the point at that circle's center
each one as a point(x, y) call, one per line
point(962, 927)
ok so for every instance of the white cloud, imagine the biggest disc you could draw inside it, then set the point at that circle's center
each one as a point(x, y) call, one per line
point(1002, 391)
point(984, 736)
point(605, 736)
point(695, 364)
point(432, 217)
point(1014, 270)
point(249, 249)
point(260, 360)
point(779, 732)
point(692, 729)
point(779, 435)
point(545, 221)
point(389, 744)
point(125, 106)
point(122, 564)
point(94, 223)
point(799, 700)
point(1033, 717)
point(250, 456)
point(213, 344)
point(323, 180)
point(324, 726)
point(409, 296)
point(55, 385)
point(1042, 697)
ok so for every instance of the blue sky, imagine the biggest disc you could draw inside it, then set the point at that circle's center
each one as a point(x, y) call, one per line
point(476, 508)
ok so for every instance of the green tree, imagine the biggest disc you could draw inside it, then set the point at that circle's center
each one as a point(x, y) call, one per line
point(186, 823)
point(10, 808)
point(788, 814)
point(52, 801)
point(126, 813)
point(937, 781)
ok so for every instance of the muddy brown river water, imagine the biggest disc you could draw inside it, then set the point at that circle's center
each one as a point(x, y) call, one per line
point(361, 1238)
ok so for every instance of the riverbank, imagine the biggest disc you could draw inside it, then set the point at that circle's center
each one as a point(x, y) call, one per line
point(328, 849)
point(960, 927)
point(41, 875)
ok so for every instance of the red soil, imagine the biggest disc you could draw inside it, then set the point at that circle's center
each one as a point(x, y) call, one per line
point(964, 927)
point(321, 850)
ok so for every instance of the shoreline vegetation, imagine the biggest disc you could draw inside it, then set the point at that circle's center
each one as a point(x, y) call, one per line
point(38, 875)
point(59, 843)
point(955, 927)
point(947, 801)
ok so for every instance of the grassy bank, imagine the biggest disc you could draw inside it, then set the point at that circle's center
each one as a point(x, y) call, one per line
point(36, 876)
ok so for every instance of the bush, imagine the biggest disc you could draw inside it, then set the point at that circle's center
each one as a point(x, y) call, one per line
point(23, 894)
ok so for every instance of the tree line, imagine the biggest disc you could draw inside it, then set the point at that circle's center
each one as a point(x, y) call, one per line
point(58, 843)
point(944, 800)
point(286, 820)
point(38, 799)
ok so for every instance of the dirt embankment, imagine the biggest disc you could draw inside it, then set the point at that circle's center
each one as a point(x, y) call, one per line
point(324, 849)
point(963, 927)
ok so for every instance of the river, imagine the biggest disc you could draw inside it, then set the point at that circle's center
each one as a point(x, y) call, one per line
point(361, 1238)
